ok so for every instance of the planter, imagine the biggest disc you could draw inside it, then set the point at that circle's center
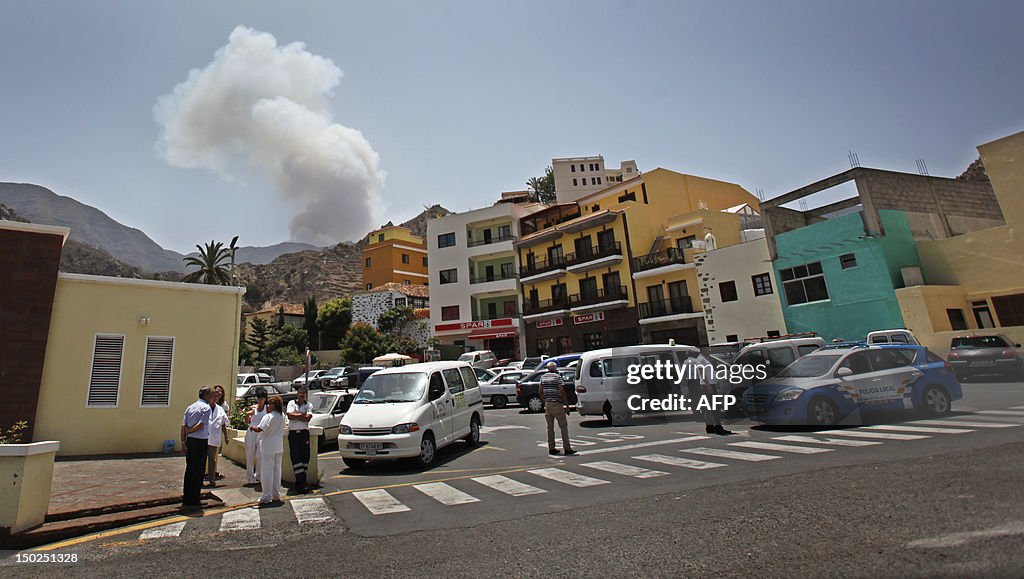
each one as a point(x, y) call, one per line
point(26, 475)
point(234, 449)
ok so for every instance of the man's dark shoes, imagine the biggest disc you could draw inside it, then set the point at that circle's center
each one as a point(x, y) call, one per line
point(570, 452)
point(721, 431)
point(554, 451)
point(710, 430)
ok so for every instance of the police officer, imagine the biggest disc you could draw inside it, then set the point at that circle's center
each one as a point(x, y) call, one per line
point(552, 392)
point(299, 413)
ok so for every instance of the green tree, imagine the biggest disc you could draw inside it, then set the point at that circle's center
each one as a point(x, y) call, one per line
point(400, 344)
point(333, 321)
point(259, 336)
point(395, 320)
point(542, 189)
point(362, 344)
point(279, 320)
point(287, 346)
point(211, 264)
point(309, 311)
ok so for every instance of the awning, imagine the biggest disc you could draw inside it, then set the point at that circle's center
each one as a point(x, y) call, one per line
point(490, 334)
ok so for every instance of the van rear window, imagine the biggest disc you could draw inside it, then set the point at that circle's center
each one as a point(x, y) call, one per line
point(618, 366)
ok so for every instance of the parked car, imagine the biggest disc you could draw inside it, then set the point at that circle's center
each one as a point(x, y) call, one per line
point(252, 378)
point(328, 410)
point(502, 388)
point(410, 412)
point(900, 336)
point(996, 354)
point(338, 377)
point(527, 389)
point(515, 365)
point(484, 375)
point(829, 385)
point(533, 362)
point(479, 359)
point(304, 378)
point(727, 351)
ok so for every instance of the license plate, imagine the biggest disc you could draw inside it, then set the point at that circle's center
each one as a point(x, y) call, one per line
point(371, 445)
point(982, 363)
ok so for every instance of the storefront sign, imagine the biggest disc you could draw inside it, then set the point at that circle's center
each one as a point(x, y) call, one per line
point(478, 325)
point(549, 323)
point(588, 318)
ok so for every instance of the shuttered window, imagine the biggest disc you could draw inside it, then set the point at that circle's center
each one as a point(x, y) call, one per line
point(105, 377)
point(156, 378)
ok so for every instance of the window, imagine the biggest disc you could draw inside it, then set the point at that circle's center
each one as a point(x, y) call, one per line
point(380, 238)
point(643, 187)
point(847, 261)
point(606, 240)
point(368, 262)
point(574, 182)
point(105, 376)
point(858, 362)
point(558, 294)
point(399, 302)
point(807, 349)
point(629, 196)
point(612, 284)
point(595, 367)
point(686, 242)
point(727, 289)
point(510, 309)
point(588, 287)
point(596, 207)
point(732, 338)
point(762, 284)
point(956, 319)
point(629, 170)
point(504, 232)
point(468, 378)
point(618, 366)
point(773, 333)
point(506, 270)
point(779, 358)
point(424, 262)
point(564, 345)
point(449, 276)
point(584, 246)
point(405, 258)
point(446, 240)
point(492, 311)
point(598, 180)
point(572, 169)
point(454, 380)
point(1009, 309)
point(406, 282)
point(156, 375)
point(581, 168)
point(886, 359)
point(369, 286)
point(545, 345)
point(753, 357)
point(593, 180)
point(449, 313)
point(804, 283)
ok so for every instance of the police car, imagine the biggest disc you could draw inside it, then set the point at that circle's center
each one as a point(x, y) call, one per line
point(824, 387)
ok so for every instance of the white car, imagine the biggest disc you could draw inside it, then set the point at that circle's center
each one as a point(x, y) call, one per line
point(328, 410)
point(410, 412)
point(502, 388)
point(479, 359)
point(252, 378)
point(306, 377)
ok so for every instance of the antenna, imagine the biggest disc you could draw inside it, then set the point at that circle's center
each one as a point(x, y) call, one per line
point(760, 194)
point(854, 160)
point(922, 167)
point(803, 205)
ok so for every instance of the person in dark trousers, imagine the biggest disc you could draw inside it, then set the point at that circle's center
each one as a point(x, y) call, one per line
point(195, 433)
point(299, 413)
point(709, 387)
point(552, 391)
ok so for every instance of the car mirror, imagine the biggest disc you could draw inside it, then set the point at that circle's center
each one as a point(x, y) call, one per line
point(844, 372)
point(436, 392)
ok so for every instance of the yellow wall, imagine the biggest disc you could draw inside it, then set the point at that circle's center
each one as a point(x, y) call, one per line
point(386, 263)
point(924, 313)
point(204, 324)
point(400, 234)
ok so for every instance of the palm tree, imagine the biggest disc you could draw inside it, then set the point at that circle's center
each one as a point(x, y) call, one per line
point(212, 269)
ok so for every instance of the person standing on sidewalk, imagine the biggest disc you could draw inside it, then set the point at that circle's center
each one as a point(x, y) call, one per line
point(552, 392)
point(195, 432)
point(218, 430)
point(300, 412)
point(271, 431)
point(252, 438)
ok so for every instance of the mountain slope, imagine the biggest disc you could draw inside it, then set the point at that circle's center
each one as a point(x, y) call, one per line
point(267, 254)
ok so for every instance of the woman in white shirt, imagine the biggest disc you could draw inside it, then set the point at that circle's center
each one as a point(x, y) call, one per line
point(218, 429)
point(252, 438)
point(271, 430)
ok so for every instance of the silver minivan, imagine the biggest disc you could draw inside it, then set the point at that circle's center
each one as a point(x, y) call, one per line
point(484, 359)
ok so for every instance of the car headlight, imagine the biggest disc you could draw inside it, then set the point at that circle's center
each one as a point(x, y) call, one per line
point(789, 394)
point(345, 429)
point(405, 428)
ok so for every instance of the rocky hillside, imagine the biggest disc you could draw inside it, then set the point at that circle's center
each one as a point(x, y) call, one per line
point(975, 172)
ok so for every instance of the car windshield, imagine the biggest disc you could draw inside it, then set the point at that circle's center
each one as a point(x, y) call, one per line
point(322, 403)
point(810, 366)
point(240, 380)
point(466, 358)
point(978, 342)
point(334, 371)
point(381, 388)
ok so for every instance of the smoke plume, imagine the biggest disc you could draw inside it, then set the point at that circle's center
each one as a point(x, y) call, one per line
point(259, 108)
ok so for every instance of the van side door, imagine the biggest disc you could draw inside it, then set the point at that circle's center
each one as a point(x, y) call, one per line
point(441, 411)
point(458, 418)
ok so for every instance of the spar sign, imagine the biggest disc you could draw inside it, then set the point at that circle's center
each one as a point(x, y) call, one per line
point(588, 318)
point(477, 325)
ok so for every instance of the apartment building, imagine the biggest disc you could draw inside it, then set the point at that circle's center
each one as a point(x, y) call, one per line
point(576, 177)
point(616, 267)
point(394, 254)
point(474, 287)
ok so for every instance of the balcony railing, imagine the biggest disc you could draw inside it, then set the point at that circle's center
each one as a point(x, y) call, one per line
point(542, 266)
point(666, 307)
point(593, 253)
point(497, 276)
point(608, 294)
point(497, 316)
point(489, 241)
point(542, 306)
point(672, 255)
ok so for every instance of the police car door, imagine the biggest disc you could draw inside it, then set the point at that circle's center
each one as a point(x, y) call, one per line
point(440, 402)
point(895, 377)
point(861, 379)
point(458, 418)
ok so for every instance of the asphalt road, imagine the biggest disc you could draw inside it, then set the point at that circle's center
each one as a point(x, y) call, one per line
point(657, 497)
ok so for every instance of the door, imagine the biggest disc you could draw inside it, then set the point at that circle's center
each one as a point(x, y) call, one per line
point(584, 247)
point(441, 412)
point(862, 379)
point(588, 288)
point(612, 284)
point(656, 300)
point(492, 311)
point(458, 418)
point(506, 270)
point(487, 236)
point(893, 379)
point(555, 255)
point(489, 272)
point(606, 240)
point(982, 315)
point(678, 297)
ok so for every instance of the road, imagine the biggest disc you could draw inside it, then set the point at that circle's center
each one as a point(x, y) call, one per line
point(657, 497)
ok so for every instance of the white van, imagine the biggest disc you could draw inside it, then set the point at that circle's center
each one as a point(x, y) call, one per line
point(410, 412)
point(484, 359)
point(900, 336)
point(777, 353)
point(601, 387)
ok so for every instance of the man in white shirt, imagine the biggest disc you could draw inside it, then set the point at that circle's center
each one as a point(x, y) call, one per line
point(703, 371)
point(299, 413)
point(195, 434)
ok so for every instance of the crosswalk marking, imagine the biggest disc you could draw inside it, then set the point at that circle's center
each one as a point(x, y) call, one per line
point(877, 435)
point(624, 469)
point(964, 423)
point(1017, 408)
point(569, 478)
point(172, 530)
point(780, 447)
point(1002, 412)
point(380, 502)
point(445, 494)
point(313, 510)
point(922, 429)
point(240, 519)
point(725, 453)
point(676, 461)
point(508, 486)
point(641, 445)
point(835, 441)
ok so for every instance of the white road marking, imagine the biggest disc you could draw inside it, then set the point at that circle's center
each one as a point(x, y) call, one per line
point(508, 486)
point(958, 539)
point(677, 461)
point(878, 435)
point(172, 530)
point(313, 510)
point(240, 520)
point(569, 478)
point(1002, 412)
point(726, 453)
point(380, 502)
point(445, 493)
point(962, 423)
point(780, 447)
point(1017, 408)
point(913, 429)
point(624, 469)
point(641, 445)
point(486, 429)
point(835, 441)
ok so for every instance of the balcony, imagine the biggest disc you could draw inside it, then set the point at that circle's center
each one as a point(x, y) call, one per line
point(484, 278)
point(660, 262)
point(542, 269)
point(490, 241)
point(594, 258)
point(601, 299)
point(491, 246)
point(497, 316)
point(496, 283)
point(667, 310)
point(542, 309)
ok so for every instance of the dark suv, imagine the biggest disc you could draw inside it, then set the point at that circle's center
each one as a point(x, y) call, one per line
point(970, 355)
point(527, 389)
point(333, 379)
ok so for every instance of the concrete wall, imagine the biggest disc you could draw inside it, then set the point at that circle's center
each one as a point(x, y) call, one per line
point(749, 316)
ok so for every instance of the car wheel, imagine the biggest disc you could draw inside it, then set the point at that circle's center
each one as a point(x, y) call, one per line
point(822, 412)
point(354, 463)
point(535, 404)
point(473, 438)
point(499, 401)
point(935, 401)
point(617, 417)
point(428, 451)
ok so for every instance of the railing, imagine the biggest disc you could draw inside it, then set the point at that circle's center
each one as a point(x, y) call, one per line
point(669, 256)
point(497, 315)
point(542, 266)
point(498, 276)
point(542, 306)
point(593, 253)
point(608, 294)
point(666, 307)
point(486, 241)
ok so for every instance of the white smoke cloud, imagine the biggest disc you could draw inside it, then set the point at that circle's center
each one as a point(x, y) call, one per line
point(263, 108)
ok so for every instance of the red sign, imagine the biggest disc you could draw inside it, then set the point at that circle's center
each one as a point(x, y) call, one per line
point(482, 324)
point(588, 318)
point(549, 323)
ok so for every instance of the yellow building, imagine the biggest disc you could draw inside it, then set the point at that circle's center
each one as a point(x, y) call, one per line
point(975, 281)
point(615, 267)
point(294, 314)
point(394, 254)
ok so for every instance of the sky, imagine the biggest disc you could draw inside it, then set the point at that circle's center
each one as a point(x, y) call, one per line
point(463, 100)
